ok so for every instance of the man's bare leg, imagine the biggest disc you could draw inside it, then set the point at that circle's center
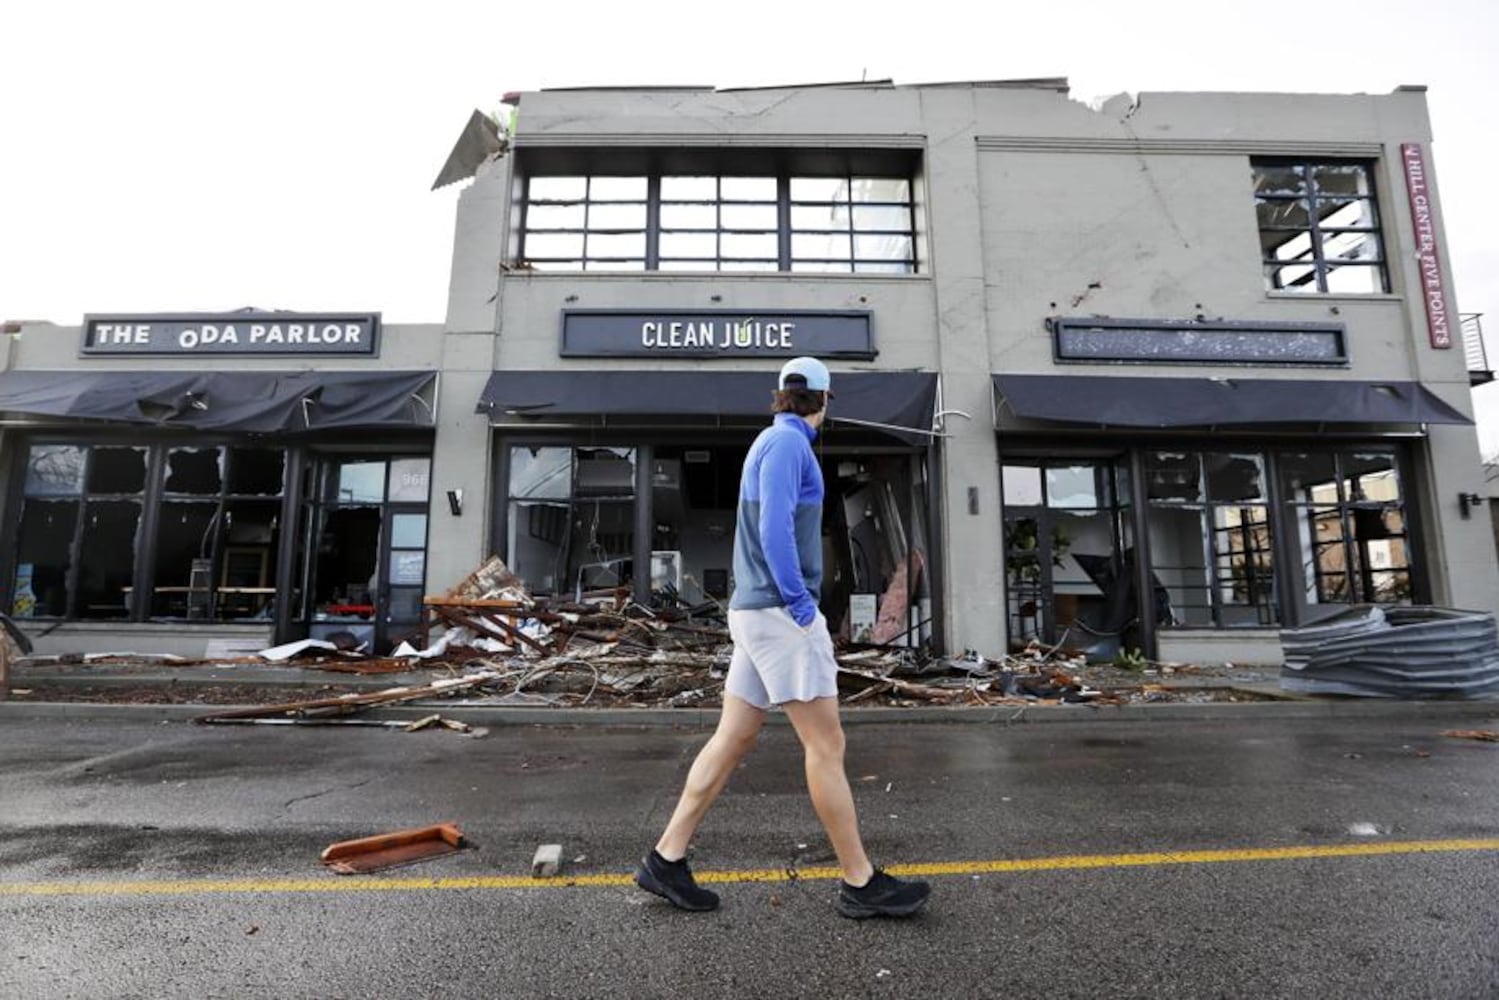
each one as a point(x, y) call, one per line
point(738, 727)
point(817, 726)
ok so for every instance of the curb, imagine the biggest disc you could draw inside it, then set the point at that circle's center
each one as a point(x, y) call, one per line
point(706, 719)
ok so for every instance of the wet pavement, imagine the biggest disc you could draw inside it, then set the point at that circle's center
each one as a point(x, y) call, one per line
point(142, 857)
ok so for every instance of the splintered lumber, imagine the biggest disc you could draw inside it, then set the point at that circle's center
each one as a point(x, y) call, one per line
point(1486, 735)
point(905, 687)
point(387, 850)
point(346, 704)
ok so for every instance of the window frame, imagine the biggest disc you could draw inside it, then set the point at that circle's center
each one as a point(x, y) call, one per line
point(1260, 582)
point(1310, 196)
point(781, 165)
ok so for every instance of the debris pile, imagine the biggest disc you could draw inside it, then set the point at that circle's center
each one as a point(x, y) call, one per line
point(490, 642)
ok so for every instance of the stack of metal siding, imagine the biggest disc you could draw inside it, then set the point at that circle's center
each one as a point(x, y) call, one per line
point(1417, 652)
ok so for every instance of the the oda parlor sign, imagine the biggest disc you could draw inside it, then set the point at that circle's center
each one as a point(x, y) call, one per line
point(264, 333)
point(612, 333)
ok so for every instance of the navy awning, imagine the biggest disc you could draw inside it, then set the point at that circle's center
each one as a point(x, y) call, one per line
point(1131, 401)
point(899, 402)
point(251, 401)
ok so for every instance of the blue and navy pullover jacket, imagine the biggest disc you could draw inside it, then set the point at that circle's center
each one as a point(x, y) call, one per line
point(778, 538)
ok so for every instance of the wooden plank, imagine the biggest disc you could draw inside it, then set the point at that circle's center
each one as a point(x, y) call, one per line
point(387, 850)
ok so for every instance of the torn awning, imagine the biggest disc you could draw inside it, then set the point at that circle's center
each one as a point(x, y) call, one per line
point(1129, 401)
point(252, 401)
point(901, 401)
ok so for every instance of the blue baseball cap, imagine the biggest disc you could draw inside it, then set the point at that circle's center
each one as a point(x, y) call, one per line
point(806, 373)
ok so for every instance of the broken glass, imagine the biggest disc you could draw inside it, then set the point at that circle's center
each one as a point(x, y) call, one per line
point(1234, 478)
point(1273, 178)
point(116, 470)
point(54, 470)
point(1310, 477)
point(1341, 179)
point(1277, 213)
point(44, 556)
point(184, 546)
point(106, 561)
point(257, 471)
point(1173, 476)
point(1074, 486)
point(196, 471)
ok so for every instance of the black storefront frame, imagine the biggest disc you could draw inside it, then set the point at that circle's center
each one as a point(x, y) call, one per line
point(645, 439)
point(1129, 451)
point(301, 454)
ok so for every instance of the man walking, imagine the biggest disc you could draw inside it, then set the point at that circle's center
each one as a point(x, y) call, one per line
point(783, 655)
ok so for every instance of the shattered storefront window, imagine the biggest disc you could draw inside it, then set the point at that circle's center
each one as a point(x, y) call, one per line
point(1211, 546)
point(1351, 526)
point(99, 520)
point(1062, 550)
point(571, 525)
point(44, 557)
point(213, 551)
point(370, 510)
point(876, 587)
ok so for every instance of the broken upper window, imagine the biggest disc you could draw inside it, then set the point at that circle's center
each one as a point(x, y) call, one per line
point(763, 212)
point(1319, 227)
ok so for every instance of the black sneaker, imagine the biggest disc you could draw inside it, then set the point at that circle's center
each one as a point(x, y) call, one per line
point(673, 882)
point(882, 896)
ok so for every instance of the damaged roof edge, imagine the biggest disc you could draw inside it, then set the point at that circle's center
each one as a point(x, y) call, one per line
point(1057, 83)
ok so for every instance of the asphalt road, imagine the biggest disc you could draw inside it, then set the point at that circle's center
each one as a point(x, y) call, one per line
point(1101, 859)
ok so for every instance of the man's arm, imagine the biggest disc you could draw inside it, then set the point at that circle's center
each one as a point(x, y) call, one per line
point(780, 489)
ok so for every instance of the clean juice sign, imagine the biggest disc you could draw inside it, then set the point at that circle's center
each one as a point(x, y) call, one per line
point(595, 333)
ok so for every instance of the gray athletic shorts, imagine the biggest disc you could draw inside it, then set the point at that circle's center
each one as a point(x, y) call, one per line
point(776, 661)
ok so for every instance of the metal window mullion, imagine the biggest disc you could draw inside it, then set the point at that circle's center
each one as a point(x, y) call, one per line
point(783, 221)
point(1210, 546)
point(75, 545)
point(653, 221)
point(644, 521)
point(143, 579)
point(1314, 225)
point(718, 230)
point(587, 218)
point(524, 221)
point(1144, 576)
point(286, 544)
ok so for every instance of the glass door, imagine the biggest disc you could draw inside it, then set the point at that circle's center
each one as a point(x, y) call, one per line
point(1065, 579)
point(365, 554)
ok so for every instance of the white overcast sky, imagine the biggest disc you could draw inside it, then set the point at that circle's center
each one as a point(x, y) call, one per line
point(160, 156)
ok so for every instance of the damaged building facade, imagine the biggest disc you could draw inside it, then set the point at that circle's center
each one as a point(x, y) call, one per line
point(1170, 374)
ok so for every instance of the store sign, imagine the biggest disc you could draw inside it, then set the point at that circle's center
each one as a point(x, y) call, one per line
point(604, 333)
point(269, 334)
point(1433, 284)
point(1157, 341)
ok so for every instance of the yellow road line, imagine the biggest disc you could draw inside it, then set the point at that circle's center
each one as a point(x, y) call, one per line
point(334, 883)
